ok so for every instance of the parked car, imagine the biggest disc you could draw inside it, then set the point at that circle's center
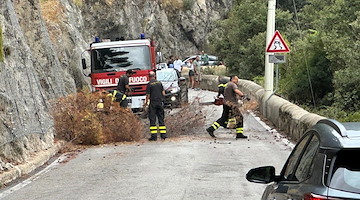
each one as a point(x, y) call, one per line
point(176, 91)
point(213, 60)
point(323, 165)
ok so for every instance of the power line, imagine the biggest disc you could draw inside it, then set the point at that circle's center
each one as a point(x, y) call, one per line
point(304, 54)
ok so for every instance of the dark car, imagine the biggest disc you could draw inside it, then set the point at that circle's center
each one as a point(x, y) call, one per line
point(325, 164)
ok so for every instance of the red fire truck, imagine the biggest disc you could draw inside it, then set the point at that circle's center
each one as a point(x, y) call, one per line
point(111, 59)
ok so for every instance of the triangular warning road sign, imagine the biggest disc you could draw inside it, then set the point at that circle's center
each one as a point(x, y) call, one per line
point(277, 44)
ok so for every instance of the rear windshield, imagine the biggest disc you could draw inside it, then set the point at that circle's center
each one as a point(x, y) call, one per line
point(346, 176)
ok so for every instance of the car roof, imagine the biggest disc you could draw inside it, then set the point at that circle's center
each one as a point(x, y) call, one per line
point(334, 134)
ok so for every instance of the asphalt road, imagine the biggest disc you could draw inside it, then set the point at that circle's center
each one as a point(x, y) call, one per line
point(189, 167)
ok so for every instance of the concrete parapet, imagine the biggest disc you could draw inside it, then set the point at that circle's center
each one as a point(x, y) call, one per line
point(209, 82)
point(272, 108)
point(251, 88)
point(289, 119)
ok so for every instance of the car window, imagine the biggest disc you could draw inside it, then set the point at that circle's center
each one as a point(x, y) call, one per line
point(305, 166)
point(289, 168)
point(346, 174)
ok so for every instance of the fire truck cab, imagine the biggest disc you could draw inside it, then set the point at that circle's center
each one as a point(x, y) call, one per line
point(111, 59)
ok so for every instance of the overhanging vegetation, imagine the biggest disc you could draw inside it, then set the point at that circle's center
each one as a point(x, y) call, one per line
point(321, 72)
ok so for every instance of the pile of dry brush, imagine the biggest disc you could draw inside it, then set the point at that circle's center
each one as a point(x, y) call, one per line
point(77, 120)
point(186, 121)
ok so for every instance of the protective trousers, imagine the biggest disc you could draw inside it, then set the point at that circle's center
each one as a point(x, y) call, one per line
point(223, 120)
point(124, 103)
point(156, 110)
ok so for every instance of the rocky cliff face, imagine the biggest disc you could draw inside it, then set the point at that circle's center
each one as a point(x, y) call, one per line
point(42, 42)
point(180, 27)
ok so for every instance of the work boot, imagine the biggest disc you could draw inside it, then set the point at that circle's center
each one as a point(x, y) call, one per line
point(210, 130)
point(153, 137)
point(163, 136)
point(240, 135)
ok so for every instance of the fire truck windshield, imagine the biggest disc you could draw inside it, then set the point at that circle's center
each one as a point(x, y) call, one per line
point(120, 59)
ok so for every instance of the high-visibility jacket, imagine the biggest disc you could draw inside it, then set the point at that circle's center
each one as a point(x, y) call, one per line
point(117, 96)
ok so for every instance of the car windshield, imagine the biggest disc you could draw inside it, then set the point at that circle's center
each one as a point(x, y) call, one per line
point(120, 59)
point(346, 175)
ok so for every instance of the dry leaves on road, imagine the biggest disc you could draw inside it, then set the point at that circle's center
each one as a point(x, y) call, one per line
point(186, 121)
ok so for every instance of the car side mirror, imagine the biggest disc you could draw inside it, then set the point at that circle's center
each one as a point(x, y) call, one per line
point(83, 63)
point(261, 175)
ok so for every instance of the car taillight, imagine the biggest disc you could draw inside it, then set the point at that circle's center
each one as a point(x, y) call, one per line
point(317, 197)
point(313, 197)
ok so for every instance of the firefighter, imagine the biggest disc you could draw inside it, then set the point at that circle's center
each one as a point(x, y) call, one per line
point(221, 86)
point(230, 109)
point(124, 88)
point(117, 96)
point(219, 99)
point(155, 94)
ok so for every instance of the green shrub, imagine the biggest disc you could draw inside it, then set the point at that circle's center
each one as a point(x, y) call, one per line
point(352, 117)
point(336, 113)
point(347, 89)
point(260, 80)
point(214, 70)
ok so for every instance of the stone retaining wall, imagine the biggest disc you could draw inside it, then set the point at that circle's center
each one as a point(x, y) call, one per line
point(284, 115)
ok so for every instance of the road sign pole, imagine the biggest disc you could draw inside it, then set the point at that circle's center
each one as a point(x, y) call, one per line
point(269, 67)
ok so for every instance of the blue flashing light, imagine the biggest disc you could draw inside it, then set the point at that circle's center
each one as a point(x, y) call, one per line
point(97, 39)
point(142, 35)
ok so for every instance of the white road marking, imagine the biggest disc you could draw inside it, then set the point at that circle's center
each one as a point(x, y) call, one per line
point(32, 178)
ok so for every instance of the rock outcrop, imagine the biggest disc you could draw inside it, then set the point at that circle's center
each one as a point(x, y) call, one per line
point(180, 27)
point(42, 42)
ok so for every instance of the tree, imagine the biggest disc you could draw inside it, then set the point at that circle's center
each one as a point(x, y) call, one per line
point(308, 72)
point(335, 19)
point(240, 42)
point(289, 5)
point(347, 89)
point(324, 38)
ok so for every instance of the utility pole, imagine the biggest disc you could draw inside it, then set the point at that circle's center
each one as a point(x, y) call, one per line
point(269, 67)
